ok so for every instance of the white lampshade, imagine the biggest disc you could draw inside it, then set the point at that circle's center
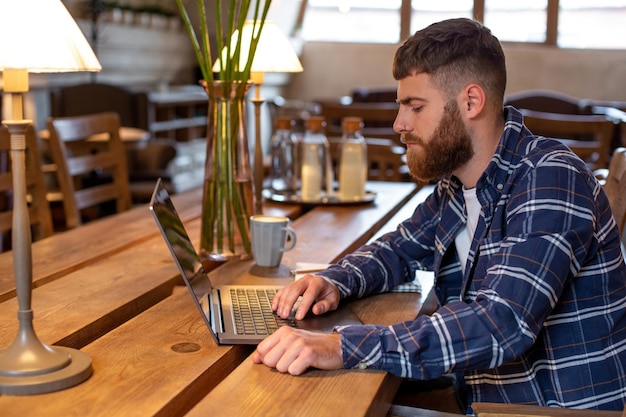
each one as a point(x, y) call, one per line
point(41, 36)
point(274, 52)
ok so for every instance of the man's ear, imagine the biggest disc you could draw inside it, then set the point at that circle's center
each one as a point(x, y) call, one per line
point(473, 100)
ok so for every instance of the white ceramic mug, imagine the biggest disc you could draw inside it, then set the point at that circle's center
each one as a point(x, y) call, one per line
point(271, 236)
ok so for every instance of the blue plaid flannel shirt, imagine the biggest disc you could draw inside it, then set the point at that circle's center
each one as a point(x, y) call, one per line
point(538, 316)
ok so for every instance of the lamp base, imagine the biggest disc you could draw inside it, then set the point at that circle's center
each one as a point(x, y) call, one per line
point(76, 371)
point(258, 175)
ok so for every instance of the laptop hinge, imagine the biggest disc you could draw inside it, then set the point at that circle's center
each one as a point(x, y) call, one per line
point(217, 312)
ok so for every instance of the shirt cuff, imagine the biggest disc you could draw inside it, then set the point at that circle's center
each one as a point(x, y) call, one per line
point(360, 346)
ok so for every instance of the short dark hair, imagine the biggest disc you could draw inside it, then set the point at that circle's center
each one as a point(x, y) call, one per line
point(455, 52)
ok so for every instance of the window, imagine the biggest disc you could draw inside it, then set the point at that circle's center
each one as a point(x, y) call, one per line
point(592, 24)
point(516, 21)
point(581, 23)
point(376, 21)
point(424, 12)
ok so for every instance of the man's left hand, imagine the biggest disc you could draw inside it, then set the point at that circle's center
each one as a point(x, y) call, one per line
point(295, 350)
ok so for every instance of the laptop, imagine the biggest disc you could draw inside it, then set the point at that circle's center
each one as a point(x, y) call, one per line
point(234, 314)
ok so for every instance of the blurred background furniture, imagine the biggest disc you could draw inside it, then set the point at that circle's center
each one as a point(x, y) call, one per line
point(374, 95)
point(90, 171)
point(377, 118)
point(178, 113)
point(550, 101)
point(89, 98)
point(612, 110)
point(164, 132)
point(615, 187)
point(589, 136)
point(386, 160)
point(38, 207)
point(298, 110)
point(556, 102)
point(545, 101)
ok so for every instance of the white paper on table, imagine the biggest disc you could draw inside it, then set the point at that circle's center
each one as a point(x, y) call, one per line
point(303, 268)
point(423, 279)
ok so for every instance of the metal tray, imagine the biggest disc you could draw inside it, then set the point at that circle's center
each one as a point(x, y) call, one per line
point(329, 200)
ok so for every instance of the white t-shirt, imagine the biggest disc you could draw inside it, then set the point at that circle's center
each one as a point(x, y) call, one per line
point(464, 239)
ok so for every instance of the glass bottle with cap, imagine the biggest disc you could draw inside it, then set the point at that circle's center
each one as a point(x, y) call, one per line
point(284, 154)
point(316, 177)
point(352, 161)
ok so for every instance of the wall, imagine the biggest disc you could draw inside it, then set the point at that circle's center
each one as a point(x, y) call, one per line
point(137, 55)
point(593, 74)
point(148, 56)
point(134, 55)
point(333, 69)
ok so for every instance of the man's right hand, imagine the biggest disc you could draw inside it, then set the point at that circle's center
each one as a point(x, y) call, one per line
point(318, 295)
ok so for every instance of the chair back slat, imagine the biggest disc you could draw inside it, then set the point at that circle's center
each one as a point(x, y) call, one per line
point(83, 164)
point(544, 101)
point(91, 163)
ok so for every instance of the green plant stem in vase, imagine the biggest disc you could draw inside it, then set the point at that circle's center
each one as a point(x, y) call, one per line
point(228, 198)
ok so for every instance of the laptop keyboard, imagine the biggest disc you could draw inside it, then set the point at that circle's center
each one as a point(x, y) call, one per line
point(252, 311)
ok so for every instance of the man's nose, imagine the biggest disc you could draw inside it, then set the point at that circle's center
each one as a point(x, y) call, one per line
point(399, 125)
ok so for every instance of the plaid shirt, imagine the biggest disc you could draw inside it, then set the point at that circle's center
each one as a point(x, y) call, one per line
point(538, 316)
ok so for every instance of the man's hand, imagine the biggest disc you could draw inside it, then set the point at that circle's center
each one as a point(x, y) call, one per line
point(295, 350)
point(318, 294)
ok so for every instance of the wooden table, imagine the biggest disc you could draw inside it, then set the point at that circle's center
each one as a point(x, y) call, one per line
point(111, 289)
point(257, 390)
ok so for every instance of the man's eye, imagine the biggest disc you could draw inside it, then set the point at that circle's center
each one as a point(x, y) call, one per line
point(416, 109)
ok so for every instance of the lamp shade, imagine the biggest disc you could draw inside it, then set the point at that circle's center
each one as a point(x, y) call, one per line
point(274, 52)
point(41, 36)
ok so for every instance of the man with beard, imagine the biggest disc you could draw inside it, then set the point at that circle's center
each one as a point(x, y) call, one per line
point(526, 253)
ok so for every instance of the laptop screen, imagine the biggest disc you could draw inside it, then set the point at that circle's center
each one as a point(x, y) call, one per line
point(179, 243)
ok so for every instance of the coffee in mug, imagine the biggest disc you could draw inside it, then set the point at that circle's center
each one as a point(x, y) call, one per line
point(271, 236)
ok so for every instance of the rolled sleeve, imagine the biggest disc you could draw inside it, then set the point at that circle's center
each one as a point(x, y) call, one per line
point(361, 346)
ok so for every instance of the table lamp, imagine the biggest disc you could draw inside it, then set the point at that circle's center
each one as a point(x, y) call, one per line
point(274, 53)
point(35, 36)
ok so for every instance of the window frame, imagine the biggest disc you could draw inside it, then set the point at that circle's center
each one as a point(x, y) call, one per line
point(552, 20)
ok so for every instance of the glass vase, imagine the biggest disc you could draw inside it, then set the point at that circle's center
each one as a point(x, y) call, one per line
point(228, 199)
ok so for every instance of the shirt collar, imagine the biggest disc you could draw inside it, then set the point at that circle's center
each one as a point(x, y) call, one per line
point(506, 155)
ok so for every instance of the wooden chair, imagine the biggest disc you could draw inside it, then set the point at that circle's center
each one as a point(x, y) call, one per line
point(38, 207)
point(544, 100)
point(91, 164)
point(612, 110)
point(589, 136)
point(615, 186)
point(385, 159)
point(135, 114)
point(377, 118)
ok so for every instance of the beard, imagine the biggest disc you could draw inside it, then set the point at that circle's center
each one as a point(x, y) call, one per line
point(449, 147)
